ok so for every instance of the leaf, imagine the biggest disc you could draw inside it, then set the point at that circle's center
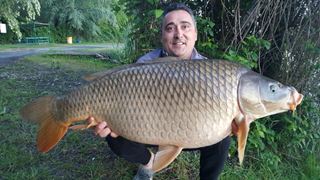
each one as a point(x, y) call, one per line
point(266, 44)
point(4, 111)
point(158, 12)
point(150, 1)
point(232, 52)
point(261, 134)
point(254, 56)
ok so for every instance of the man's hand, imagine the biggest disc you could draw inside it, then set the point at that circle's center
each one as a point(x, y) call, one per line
point(234, 128)
point(102, 129)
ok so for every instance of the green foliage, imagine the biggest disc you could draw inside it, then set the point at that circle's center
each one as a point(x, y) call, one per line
point(9, 37)
point(248, 52)
point(27, 30)
point(303, 129)
point(311, 47)
point(58, 35)
point(117, 32)
point(144, 34)
point(14, 12)
point(260, 135)
point(79, 18)
point(205, 42)
point(158, 13)
point(311, 167)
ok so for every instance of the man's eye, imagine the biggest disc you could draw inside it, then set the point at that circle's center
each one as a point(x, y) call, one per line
point(185, 27)
point(169, 28)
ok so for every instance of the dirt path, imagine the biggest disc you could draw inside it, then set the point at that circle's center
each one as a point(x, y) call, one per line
point(12, 55)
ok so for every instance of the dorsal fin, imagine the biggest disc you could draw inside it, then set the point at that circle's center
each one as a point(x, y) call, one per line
point(164, 59)
point(100, 74)
point(97, 75)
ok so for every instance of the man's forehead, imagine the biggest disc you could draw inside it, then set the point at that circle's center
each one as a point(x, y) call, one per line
point(177, 17)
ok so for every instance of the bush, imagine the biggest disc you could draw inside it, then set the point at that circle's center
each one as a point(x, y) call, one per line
point(8, 38)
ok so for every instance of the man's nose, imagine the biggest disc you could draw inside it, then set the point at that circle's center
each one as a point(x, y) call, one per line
point(178, 33)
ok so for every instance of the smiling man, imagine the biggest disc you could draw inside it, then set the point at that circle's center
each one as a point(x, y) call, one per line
point(178, 37)
point(179, 34)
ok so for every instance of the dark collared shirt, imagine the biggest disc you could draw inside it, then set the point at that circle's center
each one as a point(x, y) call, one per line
point(157, 53)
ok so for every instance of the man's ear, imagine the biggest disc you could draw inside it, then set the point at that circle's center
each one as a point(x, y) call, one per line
point(161, 36)
point(196, 34)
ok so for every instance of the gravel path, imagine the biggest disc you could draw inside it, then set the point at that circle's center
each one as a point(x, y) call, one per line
point(12, 55)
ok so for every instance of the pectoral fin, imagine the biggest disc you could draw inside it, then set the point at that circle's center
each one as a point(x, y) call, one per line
point(84, 126)
point(242, 135)
point(164, 156)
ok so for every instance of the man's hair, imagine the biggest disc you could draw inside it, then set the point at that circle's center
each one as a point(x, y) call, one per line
point(178, 6)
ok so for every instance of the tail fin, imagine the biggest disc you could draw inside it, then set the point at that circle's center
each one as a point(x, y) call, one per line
point(51, 129)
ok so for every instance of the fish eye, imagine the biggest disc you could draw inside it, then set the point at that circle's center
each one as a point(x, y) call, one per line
point(274, 87)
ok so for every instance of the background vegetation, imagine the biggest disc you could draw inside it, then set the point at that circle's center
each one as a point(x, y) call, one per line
point(279, 39)
point(98, 20)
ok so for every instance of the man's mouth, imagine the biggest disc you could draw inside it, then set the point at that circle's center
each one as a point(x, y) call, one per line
point(179, 43)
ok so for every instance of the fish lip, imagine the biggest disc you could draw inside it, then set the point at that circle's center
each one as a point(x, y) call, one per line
point(300, 98)
point(296, 99)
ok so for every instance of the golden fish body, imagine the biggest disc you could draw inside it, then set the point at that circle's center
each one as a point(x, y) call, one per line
point(174, 103)
point(184, 103)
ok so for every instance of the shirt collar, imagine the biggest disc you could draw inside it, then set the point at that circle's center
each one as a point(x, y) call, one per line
point(194, 54)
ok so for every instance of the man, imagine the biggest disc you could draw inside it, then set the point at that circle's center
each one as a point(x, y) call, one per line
point(179, 34)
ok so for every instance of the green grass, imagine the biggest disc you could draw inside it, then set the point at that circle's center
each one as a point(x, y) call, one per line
point(72, 63)
point(17, 46)
point(12, 47)
point(82, 155)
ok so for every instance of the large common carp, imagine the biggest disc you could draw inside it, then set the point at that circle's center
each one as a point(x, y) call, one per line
point(175, 104)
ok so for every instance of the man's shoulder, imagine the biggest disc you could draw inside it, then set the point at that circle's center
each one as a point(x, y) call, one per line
point(197, 55)
point(158, 53)
point(149, 56)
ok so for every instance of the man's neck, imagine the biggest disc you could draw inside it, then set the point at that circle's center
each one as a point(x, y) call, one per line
point(164, 53)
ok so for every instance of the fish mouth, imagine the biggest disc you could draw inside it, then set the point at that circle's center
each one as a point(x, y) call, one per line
point(296, 99)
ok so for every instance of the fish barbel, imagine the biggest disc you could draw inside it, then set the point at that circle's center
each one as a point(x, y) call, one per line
point(175, 104)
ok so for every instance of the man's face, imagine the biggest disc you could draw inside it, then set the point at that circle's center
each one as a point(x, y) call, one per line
point(179, 34)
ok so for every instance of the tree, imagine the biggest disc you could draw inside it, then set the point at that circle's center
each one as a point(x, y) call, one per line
point(13, 12)
point(78, 17)
point(143, 27)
